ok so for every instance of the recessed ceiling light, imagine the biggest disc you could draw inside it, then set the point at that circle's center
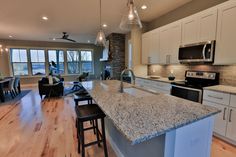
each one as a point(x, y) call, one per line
point(45, 18)
point(10, 36)
point(143, 7)
point(104, 25)
point(88, 41)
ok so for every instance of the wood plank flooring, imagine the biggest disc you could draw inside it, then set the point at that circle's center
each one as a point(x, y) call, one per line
point(34, 128)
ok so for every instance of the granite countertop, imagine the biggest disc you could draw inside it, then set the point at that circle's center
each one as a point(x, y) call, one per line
point(143, 118)
point(161, 79)
point(222, 88)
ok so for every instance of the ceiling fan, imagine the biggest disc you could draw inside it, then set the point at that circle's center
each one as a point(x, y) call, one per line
point(65, 36)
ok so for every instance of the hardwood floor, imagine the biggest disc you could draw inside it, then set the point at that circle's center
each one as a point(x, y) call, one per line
point(34, 128)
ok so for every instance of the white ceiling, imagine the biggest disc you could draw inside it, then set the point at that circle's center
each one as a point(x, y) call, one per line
point(80, 18)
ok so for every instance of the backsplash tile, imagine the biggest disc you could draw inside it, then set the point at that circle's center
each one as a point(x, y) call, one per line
point(227, 72)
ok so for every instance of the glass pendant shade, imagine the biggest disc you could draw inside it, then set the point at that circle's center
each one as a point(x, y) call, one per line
point(101, 38)
point(131, 18)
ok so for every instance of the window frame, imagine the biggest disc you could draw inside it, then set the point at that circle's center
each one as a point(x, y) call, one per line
point(67, 62)
point(92, 62)
point(27, 62)
point(64, 60)
point(31, 65)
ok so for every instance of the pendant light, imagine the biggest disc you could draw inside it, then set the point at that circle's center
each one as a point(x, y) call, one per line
point(101, 38)
point(131, 18)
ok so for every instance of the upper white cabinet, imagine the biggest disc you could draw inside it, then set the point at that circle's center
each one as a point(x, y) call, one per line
point(207, 24)
point(190, 30)
point(226, 34)
point(146, 42)
point(170, 40)
point(150, 47)
point(199, 27)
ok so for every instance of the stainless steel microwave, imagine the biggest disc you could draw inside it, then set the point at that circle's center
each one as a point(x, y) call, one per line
point(197, 53)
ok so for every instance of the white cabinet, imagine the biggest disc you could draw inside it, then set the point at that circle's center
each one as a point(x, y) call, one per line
point(231, 128)
point(225, 122)
point(207, 24)
point(233, 101)
point(170, 40)
point(156, 86)
point(226, 34)
point(150, 47)
point(200, 27)
point(217, 97)
point(220, 119)
point(190, 30)
point(146, 38)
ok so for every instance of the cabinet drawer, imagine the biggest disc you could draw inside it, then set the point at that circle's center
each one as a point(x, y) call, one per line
point(233, 101)
point(162, 85)
point(217, 97)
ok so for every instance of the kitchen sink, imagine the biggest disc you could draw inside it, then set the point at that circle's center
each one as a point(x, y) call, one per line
point(138, 92)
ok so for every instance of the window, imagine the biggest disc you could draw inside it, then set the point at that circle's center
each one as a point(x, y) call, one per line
point(37, 62)
point(73, 63)
point(57, 56)
point(19, 61)
point(86, 61)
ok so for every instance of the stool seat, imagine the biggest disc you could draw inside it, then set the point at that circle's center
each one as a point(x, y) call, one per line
point(89, 112)
point(82, 95)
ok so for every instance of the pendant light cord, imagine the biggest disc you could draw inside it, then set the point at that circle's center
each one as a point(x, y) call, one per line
point(100, 14)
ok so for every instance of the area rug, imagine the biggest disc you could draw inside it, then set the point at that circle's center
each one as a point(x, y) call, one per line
point(69, 92)
point(8, 98)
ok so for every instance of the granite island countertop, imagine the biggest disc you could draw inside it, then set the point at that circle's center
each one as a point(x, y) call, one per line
point(143, 118)
point(222, 88)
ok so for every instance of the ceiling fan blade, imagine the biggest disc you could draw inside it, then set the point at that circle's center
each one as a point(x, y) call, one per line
point(70, 40)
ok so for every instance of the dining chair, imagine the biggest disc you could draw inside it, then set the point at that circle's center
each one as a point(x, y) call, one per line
point(10, 87)
point(16, 84)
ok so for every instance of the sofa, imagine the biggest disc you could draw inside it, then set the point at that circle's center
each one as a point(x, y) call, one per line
point(50, 90)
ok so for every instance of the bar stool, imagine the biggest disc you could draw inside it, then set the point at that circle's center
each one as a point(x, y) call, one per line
point(83, 95)
point(87, 113)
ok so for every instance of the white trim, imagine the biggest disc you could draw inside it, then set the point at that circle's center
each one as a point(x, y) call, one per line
point(114, 146)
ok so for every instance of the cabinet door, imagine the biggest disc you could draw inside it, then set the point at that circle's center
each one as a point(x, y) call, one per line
point(226, 34)
point(146, 38)
point(164, 45)
point(190, 30)
point(175, 41)
point(154, 48)
point(231, 127)
point(207, 25)
point(220, 118)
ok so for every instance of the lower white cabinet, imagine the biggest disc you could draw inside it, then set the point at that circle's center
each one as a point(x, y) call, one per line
point(231, 128)
point(220, 119)
point(156, 86)
point(225, 122)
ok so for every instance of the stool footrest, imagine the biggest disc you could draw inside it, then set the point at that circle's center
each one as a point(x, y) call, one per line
point(93, 143)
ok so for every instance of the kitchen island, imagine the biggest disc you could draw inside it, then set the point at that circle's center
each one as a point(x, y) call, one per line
point(140, 123)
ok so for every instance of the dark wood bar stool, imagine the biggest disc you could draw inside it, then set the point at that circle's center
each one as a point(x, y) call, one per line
point(83, 95)
point(86, 113)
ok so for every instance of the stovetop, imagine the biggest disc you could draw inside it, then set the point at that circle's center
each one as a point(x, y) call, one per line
point(199, 79)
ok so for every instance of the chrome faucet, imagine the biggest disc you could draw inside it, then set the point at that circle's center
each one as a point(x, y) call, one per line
point(121, 78)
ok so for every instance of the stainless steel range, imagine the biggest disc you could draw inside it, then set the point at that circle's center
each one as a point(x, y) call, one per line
point(192, 87)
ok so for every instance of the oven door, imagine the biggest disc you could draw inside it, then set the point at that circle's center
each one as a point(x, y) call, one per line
point(187, 93)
